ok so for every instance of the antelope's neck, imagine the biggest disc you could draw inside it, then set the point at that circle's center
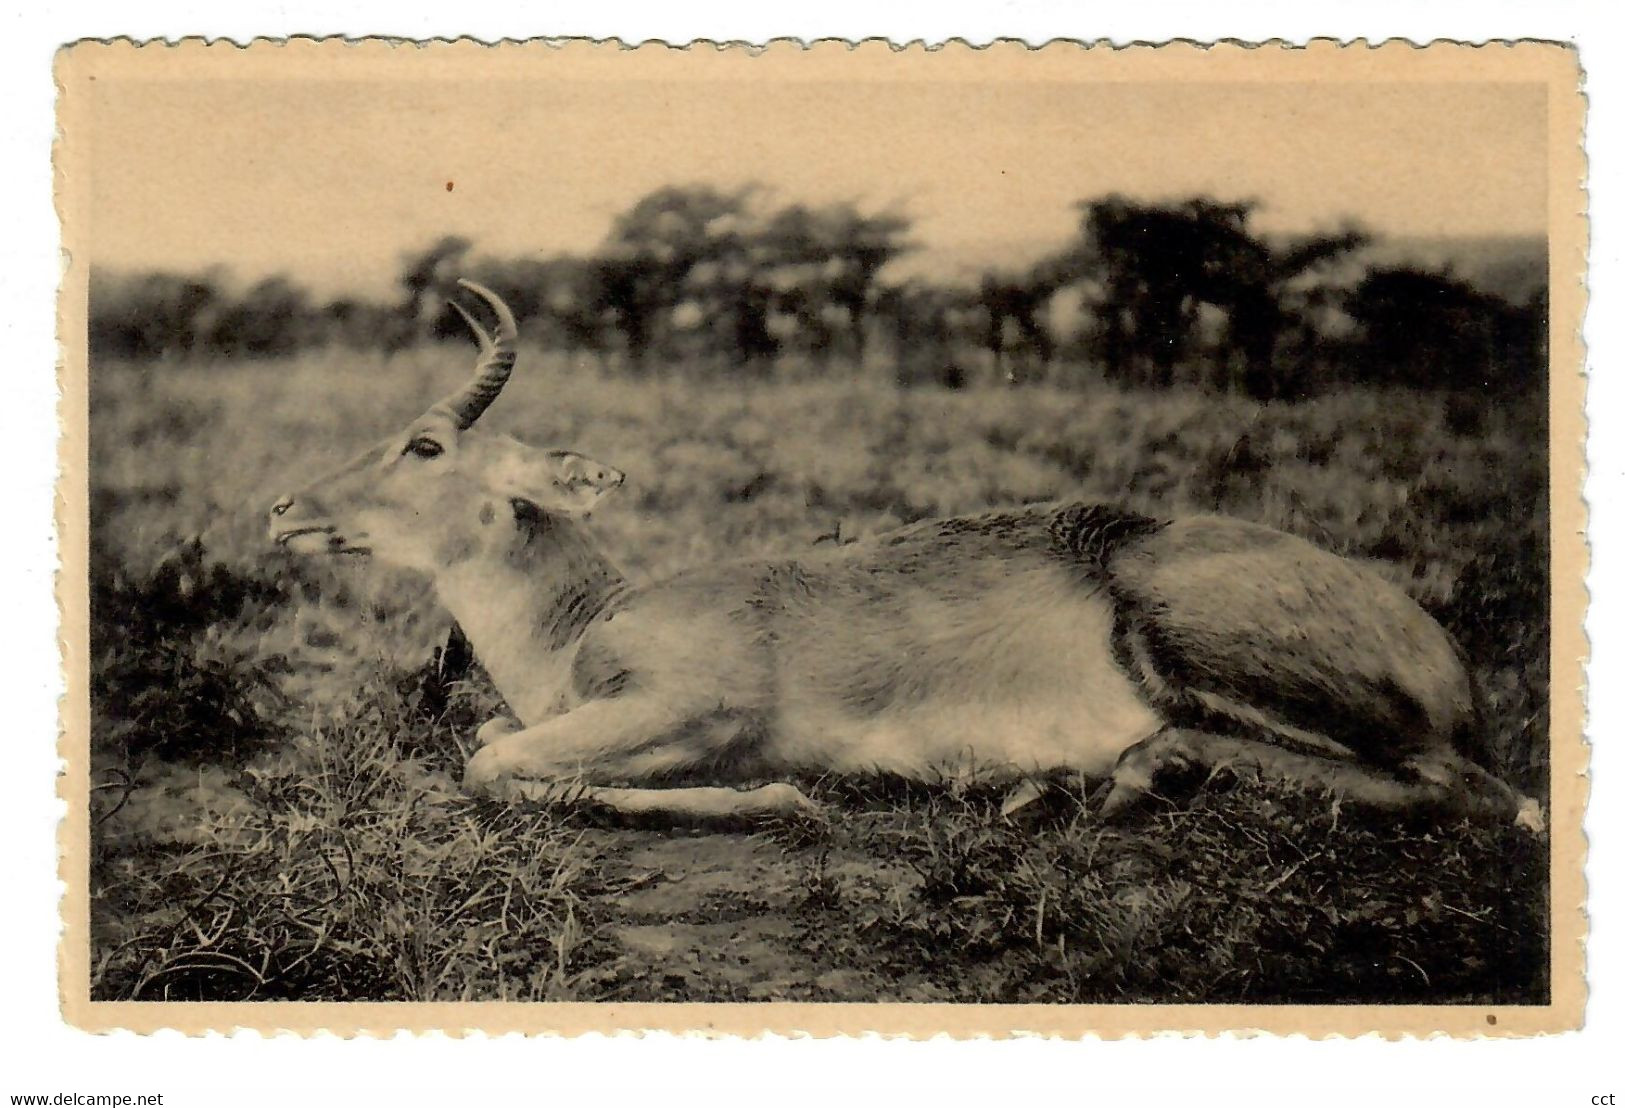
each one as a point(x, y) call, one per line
point(524, 610)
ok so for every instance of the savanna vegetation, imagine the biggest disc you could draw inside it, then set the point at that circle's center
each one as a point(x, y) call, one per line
point(702, 280)
point(277, 742)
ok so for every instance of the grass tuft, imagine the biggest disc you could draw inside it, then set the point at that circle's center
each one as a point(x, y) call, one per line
point(353, 870)
point(1240, 894)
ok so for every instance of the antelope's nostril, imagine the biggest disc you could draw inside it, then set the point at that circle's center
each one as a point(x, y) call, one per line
point(280, 508)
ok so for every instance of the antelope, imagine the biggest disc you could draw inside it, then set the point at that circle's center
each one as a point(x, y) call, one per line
point(1080, 640)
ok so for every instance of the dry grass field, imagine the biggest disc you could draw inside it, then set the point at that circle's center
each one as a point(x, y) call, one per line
point(276, 752)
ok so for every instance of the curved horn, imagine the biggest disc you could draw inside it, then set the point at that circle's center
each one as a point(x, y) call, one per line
point(495, 362)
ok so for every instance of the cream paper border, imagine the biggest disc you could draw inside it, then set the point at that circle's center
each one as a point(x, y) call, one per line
point(1554, 65)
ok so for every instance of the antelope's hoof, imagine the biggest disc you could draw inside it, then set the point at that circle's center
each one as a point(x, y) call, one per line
point(486, 771)
point(1530, 817)
point(493, 729)
point(1122, 792)
point(784, 799)
point(1024, 795)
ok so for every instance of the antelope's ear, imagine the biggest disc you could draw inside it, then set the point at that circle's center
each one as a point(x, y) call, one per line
point(554, 480)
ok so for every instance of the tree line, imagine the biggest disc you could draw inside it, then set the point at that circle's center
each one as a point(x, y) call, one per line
point(704, 279)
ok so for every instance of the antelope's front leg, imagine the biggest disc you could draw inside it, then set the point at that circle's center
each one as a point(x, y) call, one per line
point(592, 742)
point(628, 738)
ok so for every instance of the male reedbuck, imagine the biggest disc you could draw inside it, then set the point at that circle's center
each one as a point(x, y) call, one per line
point(1081, 639)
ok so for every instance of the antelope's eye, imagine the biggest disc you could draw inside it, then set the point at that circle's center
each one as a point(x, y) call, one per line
point(424, 447)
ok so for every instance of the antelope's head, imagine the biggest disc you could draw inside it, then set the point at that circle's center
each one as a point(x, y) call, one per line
point(440, 490)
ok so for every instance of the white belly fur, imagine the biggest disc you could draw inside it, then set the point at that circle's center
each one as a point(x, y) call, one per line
point(1021, 681)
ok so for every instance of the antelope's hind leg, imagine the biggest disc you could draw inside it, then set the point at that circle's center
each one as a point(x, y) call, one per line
point(1183, 752)
point(1445, 783)
point(1475, 790)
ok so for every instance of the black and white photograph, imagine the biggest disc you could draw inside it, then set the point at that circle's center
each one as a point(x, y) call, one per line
point(869, 538)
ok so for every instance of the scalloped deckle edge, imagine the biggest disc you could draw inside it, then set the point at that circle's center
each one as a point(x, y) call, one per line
point(787, 60)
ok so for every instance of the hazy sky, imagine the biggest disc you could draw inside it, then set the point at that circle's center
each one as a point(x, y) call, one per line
point(330, 182)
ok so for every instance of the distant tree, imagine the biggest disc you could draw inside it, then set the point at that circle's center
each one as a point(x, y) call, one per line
point(274, 317)
point(715, 272)
point(1433, 329)
point(631, 300)
point(341, 320)
point(826, 261)
point(929, 326)
point(571, 304)
point(1012, 303)
point(654, 248)
point(1160, 263)
point(431, 270)
point(1013, 306)
point(862, 245)
point(150, 315)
